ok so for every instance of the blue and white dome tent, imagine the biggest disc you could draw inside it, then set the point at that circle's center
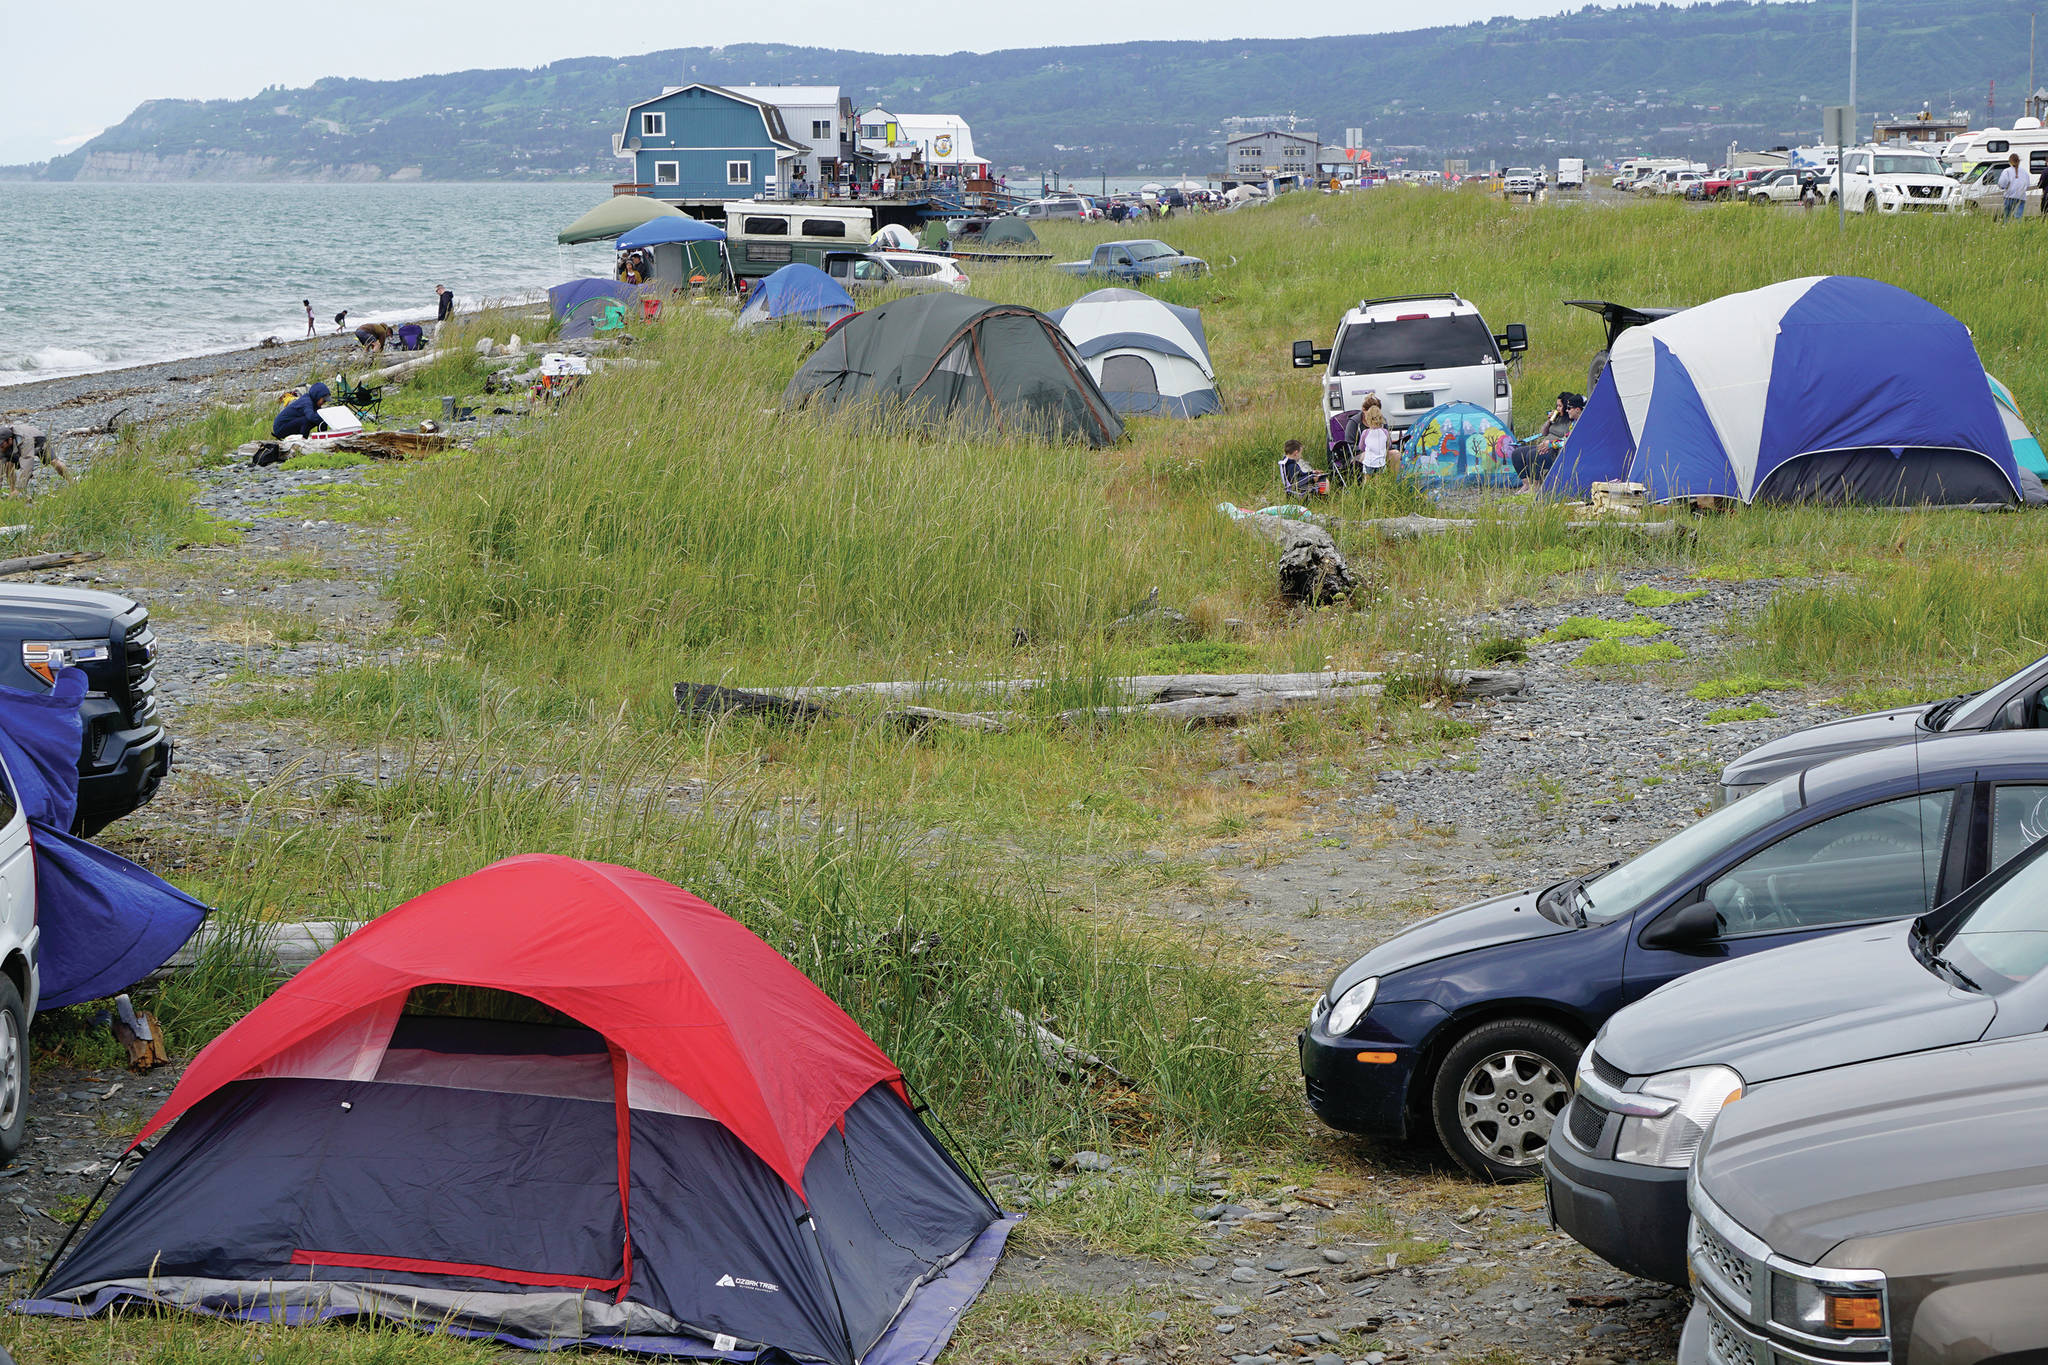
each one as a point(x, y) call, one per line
point(1832, 389)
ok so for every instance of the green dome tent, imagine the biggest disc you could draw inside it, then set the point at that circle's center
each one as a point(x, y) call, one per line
point(619, 214)
point(948, 357)
point(1007, 229)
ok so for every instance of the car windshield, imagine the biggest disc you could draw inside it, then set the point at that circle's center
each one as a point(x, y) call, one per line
point(1908, 165)
point(2004, 940)
point(1425, 343)
point(1622, 890)
point(1146, 251)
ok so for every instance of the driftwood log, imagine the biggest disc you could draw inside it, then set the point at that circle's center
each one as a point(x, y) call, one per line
point(393, 445)
point(286, 947)
point(1187, 698)
point(1312, 569)
point(31, 563)
point(1414, 528)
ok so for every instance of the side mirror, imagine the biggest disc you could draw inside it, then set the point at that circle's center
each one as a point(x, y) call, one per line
point(1516, 338)
point(1307, 355)
point(2013, 715)
point(1689, 927)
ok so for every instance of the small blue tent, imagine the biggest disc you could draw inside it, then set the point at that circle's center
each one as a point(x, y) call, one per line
point(106, 923)
point(1832, 389)
point(582, 306)
point(797, 293)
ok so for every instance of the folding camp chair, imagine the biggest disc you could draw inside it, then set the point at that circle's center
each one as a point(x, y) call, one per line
point(614, 319)
point(364, 399)
point(1298, 480)
point(411, 337)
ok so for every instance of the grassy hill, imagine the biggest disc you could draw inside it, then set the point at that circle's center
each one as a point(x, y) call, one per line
point(1596, 82)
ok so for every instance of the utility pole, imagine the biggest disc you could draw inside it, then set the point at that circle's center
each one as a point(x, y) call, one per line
point(1841, 147)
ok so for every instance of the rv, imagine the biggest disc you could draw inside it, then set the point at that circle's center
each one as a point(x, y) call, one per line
point(761, 238)
point(1994, 145)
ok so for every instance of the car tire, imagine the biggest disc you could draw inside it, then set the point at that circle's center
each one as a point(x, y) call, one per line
point(1496, 1093)
point(1870, 203)
point(13, 1070)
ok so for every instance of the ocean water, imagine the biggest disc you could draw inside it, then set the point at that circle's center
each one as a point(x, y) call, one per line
point(98, 276)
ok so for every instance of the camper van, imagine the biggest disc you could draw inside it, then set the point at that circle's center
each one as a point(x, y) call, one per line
point(762, 238)
point(1991, 146)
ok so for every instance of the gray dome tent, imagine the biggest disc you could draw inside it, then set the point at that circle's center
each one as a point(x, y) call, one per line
point(950, 357)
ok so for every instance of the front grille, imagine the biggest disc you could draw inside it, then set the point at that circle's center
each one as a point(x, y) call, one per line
point(1585, 1121)
point(1724, 1346)
point(1924, 191)
point(1724, 1261)
point(140, 666)
point(1607, 1072)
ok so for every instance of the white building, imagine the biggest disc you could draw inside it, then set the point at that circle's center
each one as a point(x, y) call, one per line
point(939, 140)
point(817, 116)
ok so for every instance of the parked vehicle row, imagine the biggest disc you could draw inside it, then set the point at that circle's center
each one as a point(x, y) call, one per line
point(1816, 1054)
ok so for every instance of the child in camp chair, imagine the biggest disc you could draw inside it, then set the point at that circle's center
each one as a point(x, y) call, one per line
point(1298, 477)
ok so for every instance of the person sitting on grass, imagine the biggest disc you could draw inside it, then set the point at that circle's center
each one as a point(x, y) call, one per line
point(1299, 477)
point(21, 445)
point(301, 416)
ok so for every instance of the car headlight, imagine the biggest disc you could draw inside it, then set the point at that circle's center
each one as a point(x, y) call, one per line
point(1827, 1310)
point(1343, 1015)
point(1670, 1139)
point(44, 657)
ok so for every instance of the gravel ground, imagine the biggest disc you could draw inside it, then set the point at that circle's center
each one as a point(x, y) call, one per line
point(1554, 780)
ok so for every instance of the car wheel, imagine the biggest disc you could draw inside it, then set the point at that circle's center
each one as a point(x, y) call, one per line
point(1497, 1092)
point(13, 1069)
point(1870, 203)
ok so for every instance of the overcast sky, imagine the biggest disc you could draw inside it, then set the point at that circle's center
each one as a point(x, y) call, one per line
point(71, 70)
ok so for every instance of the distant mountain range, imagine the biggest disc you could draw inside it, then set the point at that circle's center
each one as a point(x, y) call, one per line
point(1597, 82)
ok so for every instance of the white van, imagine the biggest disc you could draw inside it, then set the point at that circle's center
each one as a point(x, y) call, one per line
point(1571, 173)
point(20, 983)
point(1416, 351)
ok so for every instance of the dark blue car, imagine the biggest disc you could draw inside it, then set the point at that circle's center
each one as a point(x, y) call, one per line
point(1471, 1023)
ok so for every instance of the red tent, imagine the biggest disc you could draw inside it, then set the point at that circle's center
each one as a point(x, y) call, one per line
point(677, 984)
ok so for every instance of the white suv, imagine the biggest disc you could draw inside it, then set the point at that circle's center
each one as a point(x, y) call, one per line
point(1520, 180)
point(1878, 180)
point(1416, 351)
point(20, 984)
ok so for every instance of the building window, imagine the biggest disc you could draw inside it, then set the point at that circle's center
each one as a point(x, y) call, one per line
point(665, 172)
point(739, 172)
point(654, 125)
point(821, 129)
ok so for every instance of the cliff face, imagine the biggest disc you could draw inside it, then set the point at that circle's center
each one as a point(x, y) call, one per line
point(219, 164)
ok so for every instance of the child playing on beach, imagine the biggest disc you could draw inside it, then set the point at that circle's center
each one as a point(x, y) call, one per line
point(341, 320)
point(309, 315)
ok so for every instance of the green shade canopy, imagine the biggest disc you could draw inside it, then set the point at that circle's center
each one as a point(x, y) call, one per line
point(620, 213)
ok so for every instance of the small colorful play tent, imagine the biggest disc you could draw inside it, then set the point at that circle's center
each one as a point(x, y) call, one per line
point(797, 293)
point(1832, 389)
point(1459, 443)
point(1147, 355)
point(618, 214)
point(951, 358)
point(2026, 448)
point(106, 923)
point(588, 306)
point(554, 1103)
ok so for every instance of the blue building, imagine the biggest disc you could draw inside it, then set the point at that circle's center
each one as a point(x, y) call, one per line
point(705, 142)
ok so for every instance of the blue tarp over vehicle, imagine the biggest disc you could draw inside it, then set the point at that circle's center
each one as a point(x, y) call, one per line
point(106, 923)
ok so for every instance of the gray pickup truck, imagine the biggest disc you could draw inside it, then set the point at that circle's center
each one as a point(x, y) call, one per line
point(1138, 259)
point(1894, 1213)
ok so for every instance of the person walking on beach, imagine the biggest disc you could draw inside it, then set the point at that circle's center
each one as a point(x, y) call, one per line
point(2012, 183)
point(309, 315)
point(21, 445)
point(447, 303)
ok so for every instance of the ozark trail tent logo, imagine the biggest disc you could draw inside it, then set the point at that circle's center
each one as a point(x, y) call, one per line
point(760, 1286)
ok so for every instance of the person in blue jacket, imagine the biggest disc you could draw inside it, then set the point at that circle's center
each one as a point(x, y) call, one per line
point(301, 416)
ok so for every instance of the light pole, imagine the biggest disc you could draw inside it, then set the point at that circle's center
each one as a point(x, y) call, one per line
point(1841, 150)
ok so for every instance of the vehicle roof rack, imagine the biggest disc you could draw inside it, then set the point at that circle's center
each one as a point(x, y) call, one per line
point(1406, 298)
